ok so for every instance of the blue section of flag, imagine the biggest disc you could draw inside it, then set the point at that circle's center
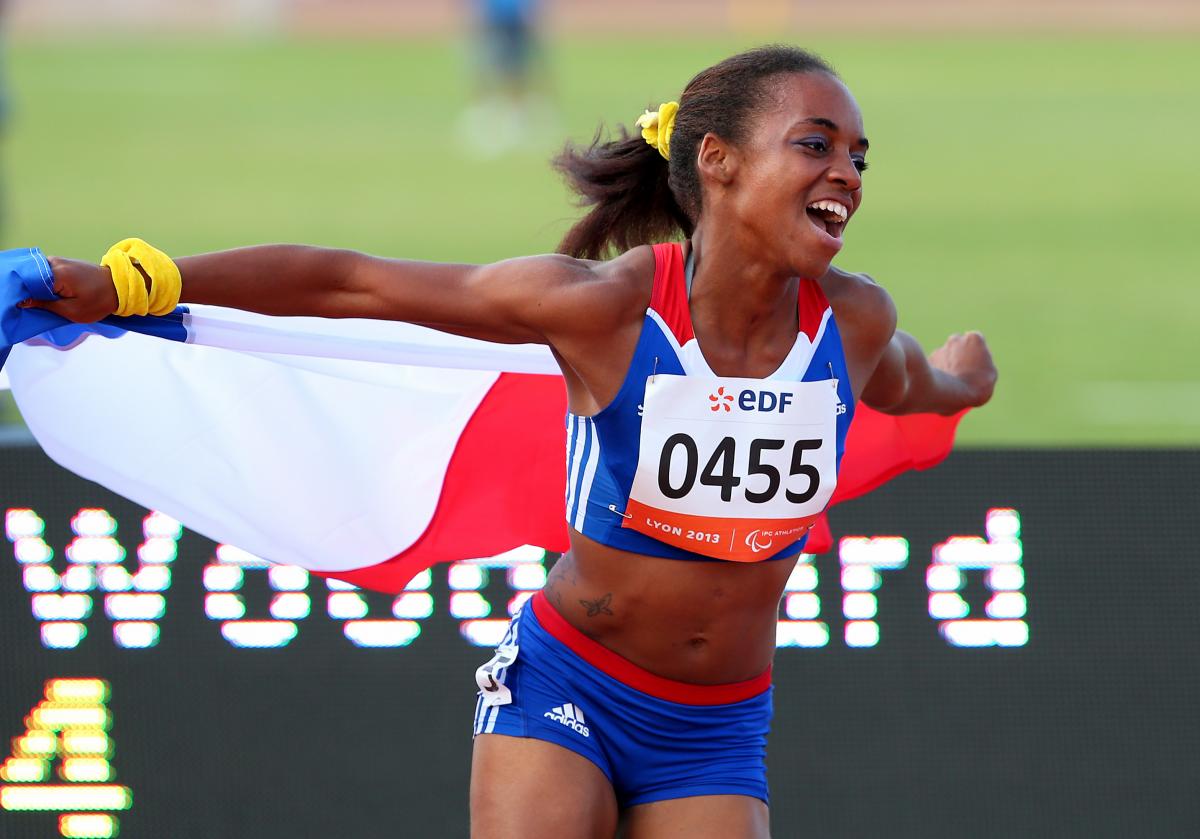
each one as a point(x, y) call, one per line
point(25, 273)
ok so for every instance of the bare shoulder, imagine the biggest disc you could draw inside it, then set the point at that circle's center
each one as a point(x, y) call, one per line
point(595, 330)
point(631, 277)
point(603, 296)
point(626, 279)
point(865, 312)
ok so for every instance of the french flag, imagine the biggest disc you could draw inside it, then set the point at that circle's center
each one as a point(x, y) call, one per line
point(359, 449)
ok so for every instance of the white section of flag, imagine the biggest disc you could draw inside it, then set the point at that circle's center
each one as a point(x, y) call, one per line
point(389, 342)
point(326, 463)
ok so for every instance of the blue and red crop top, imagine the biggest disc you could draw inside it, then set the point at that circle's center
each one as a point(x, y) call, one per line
point(688, 465)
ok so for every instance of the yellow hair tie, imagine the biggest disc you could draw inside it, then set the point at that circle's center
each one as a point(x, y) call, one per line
point(657, 127)
point(166, 284)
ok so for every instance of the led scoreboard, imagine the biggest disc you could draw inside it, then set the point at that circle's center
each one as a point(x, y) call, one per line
point(135, 600)
point(982, 654)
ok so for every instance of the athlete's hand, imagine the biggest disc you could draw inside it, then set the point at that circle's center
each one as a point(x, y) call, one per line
point(85, 290)
point(967, 358)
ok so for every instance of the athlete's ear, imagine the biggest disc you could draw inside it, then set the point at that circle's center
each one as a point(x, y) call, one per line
point(716, 160)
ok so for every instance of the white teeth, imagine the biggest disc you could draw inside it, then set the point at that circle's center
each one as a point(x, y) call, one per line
point(835, 207)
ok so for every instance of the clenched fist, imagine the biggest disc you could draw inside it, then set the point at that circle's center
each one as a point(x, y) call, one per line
point(86, 292)
point(967, 358)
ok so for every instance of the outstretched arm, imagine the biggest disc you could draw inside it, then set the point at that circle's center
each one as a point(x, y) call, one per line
point(959, 374)
point(898, 377)
point(516, 301)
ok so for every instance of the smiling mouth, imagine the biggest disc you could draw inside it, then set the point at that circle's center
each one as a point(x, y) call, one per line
point(829, 217)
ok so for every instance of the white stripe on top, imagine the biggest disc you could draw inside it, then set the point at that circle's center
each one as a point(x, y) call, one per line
point(574, 455)
point(589, 472)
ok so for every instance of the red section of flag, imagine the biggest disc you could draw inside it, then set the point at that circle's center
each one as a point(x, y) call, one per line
point(878, 448)
point(505, 482)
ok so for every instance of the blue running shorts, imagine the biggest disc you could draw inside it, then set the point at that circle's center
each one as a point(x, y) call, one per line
point(653, 738)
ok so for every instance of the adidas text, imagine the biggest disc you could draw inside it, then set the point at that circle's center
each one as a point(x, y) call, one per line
point(570, 716)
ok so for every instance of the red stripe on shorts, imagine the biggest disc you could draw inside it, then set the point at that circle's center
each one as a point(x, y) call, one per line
point(626, 672)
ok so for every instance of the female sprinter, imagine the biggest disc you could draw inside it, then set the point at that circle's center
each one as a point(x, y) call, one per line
point(710, 387)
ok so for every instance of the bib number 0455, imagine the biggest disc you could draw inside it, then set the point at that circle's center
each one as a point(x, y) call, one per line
point(732, 468)
point(719, 469)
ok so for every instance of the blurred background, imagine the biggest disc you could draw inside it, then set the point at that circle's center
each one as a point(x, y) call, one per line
point(1031, 173)
point(1033, 176)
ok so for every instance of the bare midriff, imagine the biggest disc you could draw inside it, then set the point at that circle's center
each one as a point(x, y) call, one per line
point(706, 623)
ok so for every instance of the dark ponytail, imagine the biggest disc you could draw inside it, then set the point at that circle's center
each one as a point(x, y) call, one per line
point(637, 197)
point(625, 183)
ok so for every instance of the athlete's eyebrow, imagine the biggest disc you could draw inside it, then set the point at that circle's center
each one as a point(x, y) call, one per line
point(832, 126)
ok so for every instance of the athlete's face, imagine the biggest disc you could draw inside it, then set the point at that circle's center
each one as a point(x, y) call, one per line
point(800, 172)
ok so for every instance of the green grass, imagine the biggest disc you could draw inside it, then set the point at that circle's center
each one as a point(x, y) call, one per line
point(8, 410)
point(1040, 190)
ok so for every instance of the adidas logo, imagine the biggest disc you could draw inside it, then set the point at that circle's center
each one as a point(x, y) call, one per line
point(570, 716)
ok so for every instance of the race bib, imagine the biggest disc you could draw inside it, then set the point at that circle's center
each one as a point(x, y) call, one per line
point(734, 469)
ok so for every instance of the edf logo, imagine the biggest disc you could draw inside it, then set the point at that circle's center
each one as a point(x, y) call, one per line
point(764, 400)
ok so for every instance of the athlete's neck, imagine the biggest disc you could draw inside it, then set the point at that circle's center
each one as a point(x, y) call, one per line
point(742, 300)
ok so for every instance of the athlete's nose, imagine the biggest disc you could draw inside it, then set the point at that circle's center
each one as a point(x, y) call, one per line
point(845, 173)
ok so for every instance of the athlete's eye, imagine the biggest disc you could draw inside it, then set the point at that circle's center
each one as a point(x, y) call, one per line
point(814, 143)
point(860, 163)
